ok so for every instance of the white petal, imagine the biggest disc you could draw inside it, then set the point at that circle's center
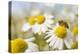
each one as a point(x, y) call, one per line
point(50, 39)
point(44, 28)
point(36, 28)
point(48, 25)
point(56, 45)
point(50, 32)
point(32, 47)
point(61, 44)
point(28, 50)
point(67, 44)
point(25, 27)
point(48, 15)
point(69, 35)
point(52, 42)
point(68, 40)
point(30, 39)
point(71, 41)
point(35, 49)
point(49, 35)
point(49, 21)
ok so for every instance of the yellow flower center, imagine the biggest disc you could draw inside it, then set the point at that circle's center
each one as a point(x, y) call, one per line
point(18, 45)
point(74, 45)
point(75, 30)
point(31, 20)
point(61, 32)
point(40, 19)
point(36, 19)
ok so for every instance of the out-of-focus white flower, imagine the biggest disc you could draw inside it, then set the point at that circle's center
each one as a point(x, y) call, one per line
point(38, 23)
point(59, 36)
point(20, 45)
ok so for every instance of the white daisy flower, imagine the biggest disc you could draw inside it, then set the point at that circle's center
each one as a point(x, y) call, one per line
point(39, 23)
point(59, 36)
point(23, 45)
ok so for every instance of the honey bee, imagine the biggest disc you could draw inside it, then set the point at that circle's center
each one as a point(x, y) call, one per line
point(63, 23)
